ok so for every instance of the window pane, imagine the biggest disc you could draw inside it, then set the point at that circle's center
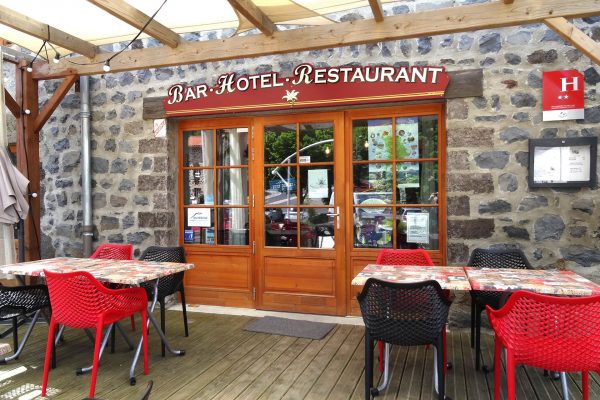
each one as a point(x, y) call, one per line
point(198, 148)
point(373, 227)
point(316, 228)
point(417, 137)
point(281, 227)
point(233, 226)
point(280, 144)
point(417, 183)
point(232, 186)
point(372, 139)
point(280, 185)
point(199, 226)
point(372, 181)
point(232, 146)
point(417, 228)
point(198, 186)
point(316, 142)
point(316, 185)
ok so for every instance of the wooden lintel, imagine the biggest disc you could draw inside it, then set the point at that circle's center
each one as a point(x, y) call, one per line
point(508, 1)
point(254, 14)
point(54, 101)
point(42, 31)
point(134, 17)
point(12, 104)
point(377, 10)
point(447, 20)
point(579, 39)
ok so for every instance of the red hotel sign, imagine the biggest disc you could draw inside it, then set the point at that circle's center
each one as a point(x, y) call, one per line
point(308, 86)
point(562, 95)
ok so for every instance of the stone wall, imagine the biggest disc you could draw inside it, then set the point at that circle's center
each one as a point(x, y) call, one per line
point(489, 202)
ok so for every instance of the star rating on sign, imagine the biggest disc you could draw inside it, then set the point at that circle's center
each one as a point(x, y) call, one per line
point(565, 97)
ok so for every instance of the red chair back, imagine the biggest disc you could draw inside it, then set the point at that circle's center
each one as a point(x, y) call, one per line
point(78, 300)
point(404, 257)
point(549, 332)
point(114, 252)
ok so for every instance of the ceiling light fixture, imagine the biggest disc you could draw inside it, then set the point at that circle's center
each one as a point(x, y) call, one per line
point(30, 65)
point(106, 66)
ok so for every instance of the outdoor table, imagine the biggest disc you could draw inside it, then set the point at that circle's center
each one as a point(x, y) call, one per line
point(124, 272)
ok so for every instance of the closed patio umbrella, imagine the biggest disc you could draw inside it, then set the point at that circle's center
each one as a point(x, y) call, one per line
point(13, 191)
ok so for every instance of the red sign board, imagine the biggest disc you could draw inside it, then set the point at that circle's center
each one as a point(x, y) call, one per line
point(309, 86)
point(562, 95)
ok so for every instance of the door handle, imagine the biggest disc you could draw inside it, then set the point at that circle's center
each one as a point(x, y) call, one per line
point(337, 215)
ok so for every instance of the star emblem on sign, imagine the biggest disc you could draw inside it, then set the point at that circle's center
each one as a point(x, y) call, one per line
point(565, 97)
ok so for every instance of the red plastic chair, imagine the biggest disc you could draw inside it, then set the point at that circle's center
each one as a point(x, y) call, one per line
point(114, 252)
point(109, 251)
point(78, 300)
point(547, 332)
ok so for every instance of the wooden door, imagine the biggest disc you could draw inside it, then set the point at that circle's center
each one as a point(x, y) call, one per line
point(299, 207)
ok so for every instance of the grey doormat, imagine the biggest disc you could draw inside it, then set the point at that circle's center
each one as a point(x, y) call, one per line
point(290, 327)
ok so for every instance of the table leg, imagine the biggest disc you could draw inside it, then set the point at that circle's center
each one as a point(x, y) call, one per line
point(151, 319)
point(80, 371)
point(565, 386)
point(22, 345)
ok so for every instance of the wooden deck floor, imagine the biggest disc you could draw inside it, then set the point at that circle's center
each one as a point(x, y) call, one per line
point(225, 362)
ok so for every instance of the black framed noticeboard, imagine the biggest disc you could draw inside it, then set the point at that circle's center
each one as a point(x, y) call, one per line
point(568, 162)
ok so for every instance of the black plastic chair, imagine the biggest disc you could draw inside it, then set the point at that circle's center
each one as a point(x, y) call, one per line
point(404, 314)
point(168, 285)
point(490, 258)
point(21, 302)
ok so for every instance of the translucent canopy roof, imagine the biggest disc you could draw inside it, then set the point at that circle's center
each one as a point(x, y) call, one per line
point(84, 20)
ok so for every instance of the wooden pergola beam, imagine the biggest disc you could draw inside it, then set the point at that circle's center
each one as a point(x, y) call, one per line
point(572, 34)
point(12, 104)
point(254, 14)
point(377, 10)
point(54, 101)
point(508, 1)
point(134, 17)
point(426, 23)
point(24, 24)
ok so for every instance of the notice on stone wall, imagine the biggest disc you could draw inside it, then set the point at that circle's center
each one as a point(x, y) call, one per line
point(159, 128)
point(561, 164)
point(417, 228)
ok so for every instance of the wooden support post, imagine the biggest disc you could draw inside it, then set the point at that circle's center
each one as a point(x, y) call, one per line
point(28, 156)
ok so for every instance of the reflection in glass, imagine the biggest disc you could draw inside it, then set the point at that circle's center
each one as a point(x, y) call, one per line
point(198, 148)
point(316, 185)
point(316, 228)
point(233, 226)
point(372, 139)
point(417, 183)
point(232, 146)
point(376, 179)
point(417, 228)
point(316, 142)
point(416, 137)
point(373, 227)
point(280, 144)
point(281, 227)
point(232, 186)
point(198, 186)
point(280, 185)
point(199, 226)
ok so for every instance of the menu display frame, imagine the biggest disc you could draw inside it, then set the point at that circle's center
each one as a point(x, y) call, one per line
point(555, 162)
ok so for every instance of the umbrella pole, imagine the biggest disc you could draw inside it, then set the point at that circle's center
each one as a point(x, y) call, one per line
point(21, 240)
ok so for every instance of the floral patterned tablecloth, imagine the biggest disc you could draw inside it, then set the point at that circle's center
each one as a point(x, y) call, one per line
point(452, 278)
point(126, 272)
point(534, 280)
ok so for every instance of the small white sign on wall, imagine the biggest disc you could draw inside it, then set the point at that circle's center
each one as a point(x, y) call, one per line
point(160, 128)
point(199, 217)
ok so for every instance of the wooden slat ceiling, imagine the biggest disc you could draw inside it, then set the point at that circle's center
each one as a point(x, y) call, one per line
point(266, 14)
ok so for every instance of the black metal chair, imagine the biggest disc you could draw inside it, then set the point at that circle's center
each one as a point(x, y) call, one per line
point(145, 395)
point(404, 314)
point(22, 302)
point(168, 285)
point(490, 258)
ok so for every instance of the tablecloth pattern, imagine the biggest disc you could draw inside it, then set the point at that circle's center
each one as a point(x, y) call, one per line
point(453, 278)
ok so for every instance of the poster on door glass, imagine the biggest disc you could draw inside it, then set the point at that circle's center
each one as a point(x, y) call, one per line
point(407, 138)
point(417, 228)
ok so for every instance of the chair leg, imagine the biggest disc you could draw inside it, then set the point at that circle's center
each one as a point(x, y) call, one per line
point(381, 356)
point(472, 322)
point(14, 335)
point(497, 367)
point(185, 321)
point(162, 325)
point(585, 384)
point(439, 359)
point(112, 339)
point(510, 375)
point(478, 311)
point(132, 324)
point(368, 365)
point(144, 315)
point(49, 346)
point(444, 353)
point(96, 362)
